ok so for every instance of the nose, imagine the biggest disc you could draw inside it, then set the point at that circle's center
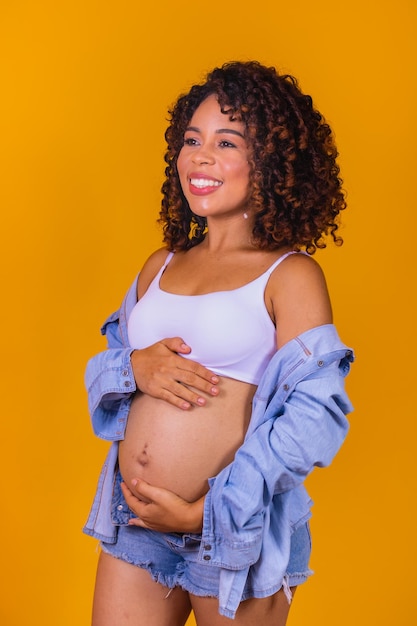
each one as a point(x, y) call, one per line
point(203, 156)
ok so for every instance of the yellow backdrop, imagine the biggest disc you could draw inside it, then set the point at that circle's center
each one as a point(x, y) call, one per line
point(85, 86)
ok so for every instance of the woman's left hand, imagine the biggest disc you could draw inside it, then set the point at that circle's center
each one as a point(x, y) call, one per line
point(162, 510)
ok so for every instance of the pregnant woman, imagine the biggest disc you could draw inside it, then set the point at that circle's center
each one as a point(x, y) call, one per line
point(223, 382)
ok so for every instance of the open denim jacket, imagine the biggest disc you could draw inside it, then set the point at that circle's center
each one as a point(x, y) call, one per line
point(255, 503)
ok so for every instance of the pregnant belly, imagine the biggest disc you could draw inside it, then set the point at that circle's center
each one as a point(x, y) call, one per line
point(179, 450)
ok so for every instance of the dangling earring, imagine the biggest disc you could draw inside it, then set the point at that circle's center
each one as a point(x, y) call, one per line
point(245, 216)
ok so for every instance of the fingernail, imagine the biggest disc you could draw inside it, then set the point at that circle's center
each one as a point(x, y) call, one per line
point(134, 482)
point(185, 405)
point(214, 391)
point(201, 401)
point(214, 379)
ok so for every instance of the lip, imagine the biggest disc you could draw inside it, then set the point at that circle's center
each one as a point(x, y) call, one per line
point(212, 185)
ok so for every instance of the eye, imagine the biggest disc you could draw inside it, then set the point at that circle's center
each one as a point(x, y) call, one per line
point(226, 144)
point(190, 141)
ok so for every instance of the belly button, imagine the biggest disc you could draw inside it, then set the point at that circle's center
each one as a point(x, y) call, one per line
point(143, 458)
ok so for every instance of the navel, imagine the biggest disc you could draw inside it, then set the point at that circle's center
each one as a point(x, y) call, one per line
point(143, 458)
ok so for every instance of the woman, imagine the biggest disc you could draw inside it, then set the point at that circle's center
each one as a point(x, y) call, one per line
point(222, 386)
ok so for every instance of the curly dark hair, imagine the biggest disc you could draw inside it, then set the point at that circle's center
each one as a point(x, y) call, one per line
point(296, 192)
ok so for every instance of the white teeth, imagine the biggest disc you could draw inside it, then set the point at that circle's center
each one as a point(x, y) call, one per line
point(204, 182)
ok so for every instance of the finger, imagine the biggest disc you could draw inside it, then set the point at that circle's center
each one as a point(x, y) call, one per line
point(176, 344)
point(179, 394)
point(132, 501)
point(136, 503)
point(194, 385)
point(176, 400)
point(182, 397)
point(188, 365)
point(144, 491)
point(197, 372)
point(136, 521)
point(126, 491)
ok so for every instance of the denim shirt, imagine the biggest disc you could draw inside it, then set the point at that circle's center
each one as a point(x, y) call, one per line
point(254, 504)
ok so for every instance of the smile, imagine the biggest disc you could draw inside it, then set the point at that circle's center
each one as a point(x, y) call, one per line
point(201, 183)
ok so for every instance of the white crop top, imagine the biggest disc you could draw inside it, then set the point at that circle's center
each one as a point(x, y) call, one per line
point(229, 332)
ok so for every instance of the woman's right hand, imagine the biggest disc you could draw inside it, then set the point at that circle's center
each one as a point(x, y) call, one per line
point(161, 372)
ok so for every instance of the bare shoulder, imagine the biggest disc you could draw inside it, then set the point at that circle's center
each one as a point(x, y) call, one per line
point(150, 269)
point(299, 297)
point(296, 269)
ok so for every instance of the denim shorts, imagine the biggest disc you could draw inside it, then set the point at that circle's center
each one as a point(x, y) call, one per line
point(172, 559)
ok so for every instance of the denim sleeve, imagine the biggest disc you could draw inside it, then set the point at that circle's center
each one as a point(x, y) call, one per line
point(110, 384)
point(307, 432)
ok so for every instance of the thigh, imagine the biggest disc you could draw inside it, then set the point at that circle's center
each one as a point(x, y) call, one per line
point(270, 611)
point(126, 595)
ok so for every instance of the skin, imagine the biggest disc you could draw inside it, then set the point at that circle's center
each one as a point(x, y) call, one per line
point(161, 373)
point(296, 299)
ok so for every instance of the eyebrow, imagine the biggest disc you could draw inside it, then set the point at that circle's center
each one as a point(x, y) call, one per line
point(220, 131)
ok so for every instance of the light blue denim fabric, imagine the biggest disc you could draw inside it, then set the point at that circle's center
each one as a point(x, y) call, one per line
point(171, 559)
point(255, 503)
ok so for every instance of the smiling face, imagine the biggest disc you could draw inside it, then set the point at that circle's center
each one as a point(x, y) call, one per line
point(213, 163)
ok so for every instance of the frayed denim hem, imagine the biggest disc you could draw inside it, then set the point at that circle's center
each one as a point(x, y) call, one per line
point(167, 580)
point(289, 581)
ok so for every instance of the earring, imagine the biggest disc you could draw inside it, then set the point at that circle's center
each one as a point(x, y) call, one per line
point(245, 216)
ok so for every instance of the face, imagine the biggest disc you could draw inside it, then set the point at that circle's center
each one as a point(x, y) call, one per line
point(213, 163)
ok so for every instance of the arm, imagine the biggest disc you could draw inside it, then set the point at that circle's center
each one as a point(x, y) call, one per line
point(281, 448)
point(304, 431)
point(114, 375)
point(303, 423)
point(110, 382)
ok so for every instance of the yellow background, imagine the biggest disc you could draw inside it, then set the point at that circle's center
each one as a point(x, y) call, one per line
point(85, 86)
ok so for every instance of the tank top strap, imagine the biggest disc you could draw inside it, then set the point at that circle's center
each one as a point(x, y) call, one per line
point(154, 284)
point(167, 260)
point(282, 258)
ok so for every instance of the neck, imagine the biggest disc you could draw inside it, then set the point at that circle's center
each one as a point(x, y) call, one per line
point(228, 236)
